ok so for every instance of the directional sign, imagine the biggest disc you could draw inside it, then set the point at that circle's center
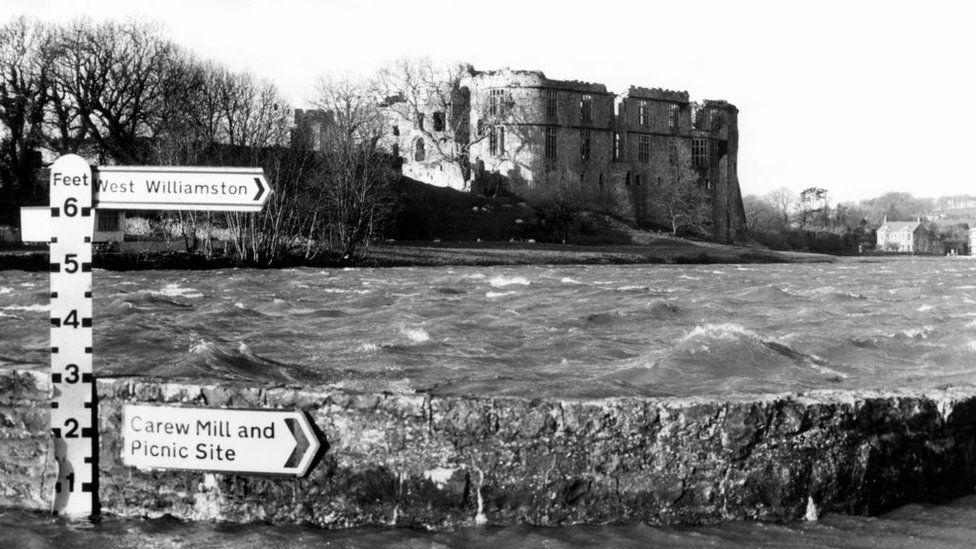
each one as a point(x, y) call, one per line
point(180, 188)
point(279, 442)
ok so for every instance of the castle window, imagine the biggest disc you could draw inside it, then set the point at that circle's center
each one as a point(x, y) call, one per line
point(672, 153)
point(552, 104)
point(550, 142)
point(396, 130)
point(715, 118)
point(674, 111)
point(627, 179)
point(419, 154)
point(496, 140)
point(616, 146)
point(420, 121)
point(481, 127)
point(495, 102)
point(439, 121)
point(586, 108)
point(601, 181)
point(644, 149)
point(642, 113)
point(699, 153)
point(637, 180)
point(584, 144)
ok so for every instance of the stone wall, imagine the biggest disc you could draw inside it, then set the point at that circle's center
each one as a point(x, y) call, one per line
point(445, 462)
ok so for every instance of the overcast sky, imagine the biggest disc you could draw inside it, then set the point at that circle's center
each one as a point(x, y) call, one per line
point(860, 98)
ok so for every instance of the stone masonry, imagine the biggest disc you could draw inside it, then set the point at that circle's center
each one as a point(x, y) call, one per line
point(443, 462)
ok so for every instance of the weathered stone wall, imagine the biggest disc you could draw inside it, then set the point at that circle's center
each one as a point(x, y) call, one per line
point(444, 462)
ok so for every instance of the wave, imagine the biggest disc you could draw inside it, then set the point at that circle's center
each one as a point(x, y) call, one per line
point(765, 293)
point(492, 295)
point(208, 359)
point(5, 290)
point(740, 347)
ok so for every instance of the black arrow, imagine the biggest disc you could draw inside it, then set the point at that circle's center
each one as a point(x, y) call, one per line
point(260, 189)
point(301, 443)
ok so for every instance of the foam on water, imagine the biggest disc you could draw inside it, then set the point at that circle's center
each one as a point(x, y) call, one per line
point(38, 307)
point(502, 281)
point(175, 290)
point(415, 335)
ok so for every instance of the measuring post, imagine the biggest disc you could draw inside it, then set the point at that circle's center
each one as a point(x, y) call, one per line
point(256, 441)
point(73, 406)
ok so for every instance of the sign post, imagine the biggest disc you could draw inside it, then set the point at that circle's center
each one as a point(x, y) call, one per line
point(246, 441)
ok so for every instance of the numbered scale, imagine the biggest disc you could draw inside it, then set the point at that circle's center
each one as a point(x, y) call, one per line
point(73, 404)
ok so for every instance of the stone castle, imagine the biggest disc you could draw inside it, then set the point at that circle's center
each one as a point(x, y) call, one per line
point(523, 131)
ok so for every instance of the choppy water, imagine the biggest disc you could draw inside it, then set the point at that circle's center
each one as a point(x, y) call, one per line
point(585, 331)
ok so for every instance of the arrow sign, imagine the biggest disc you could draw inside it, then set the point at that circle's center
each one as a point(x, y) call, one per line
point(180, 188)
point(278, 442)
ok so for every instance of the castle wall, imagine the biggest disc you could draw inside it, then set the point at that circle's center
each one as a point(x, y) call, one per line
point(647, 124)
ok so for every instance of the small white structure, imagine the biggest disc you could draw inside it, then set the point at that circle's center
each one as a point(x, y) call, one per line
point(35, 225)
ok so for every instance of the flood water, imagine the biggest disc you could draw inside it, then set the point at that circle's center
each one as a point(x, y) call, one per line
point(559, 331)
point(564, 331)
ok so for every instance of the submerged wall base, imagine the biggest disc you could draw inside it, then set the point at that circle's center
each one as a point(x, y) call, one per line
point(416, 460)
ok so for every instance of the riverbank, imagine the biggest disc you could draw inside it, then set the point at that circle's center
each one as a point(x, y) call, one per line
point(445, 462)
point(657, 249)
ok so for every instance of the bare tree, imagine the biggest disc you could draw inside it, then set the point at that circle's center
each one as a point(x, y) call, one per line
point(110, 85)
point(784, 201)
point(680, 200)
point(356, 188)
point(431, 98)
point(26, 51)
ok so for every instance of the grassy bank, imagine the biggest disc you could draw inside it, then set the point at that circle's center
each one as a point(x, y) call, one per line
point(427, 253)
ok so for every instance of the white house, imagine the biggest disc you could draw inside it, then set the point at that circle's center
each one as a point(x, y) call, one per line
point(904, 237)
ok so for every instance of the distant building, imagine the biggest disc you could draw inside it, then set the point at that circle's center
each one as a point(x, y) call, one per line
point(534, 132)
point(906, 237)
point(311, 127)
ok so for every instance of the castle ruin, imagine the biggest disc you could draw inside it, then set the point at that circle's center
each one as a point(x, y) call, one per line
point(528, 133)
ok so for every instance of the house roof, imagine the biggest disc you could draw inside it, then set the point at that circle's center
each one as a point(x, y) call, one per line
point(899, 225)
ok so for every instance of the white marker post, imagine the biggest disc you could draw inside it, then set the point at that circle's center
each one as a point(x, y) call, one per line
point(73, 420)
point(271, 442)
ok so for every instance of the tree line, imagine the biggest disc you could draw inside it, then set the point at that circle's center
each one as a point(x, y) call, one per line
point(784, 219)
point(123, 93)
